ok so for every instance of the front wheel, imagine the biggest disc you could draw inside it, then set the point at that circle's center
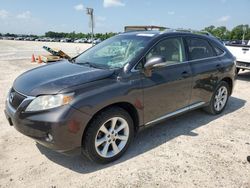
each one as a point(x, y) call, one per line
point(108, 135)
point(219, 99)
point(237, 70)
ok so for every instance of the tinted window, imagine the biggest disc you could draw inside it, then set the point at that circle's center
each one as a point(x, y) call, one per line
point(218, 51)
point(172, 49)
point(199, 49)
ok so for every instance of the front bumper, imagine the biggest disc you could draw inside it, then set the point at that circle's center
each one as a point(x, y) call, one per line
point(243, 65)
point(60, 129)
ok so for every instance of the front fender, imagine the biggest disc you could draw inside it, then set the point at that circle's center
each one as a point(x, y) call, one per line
point(93, 97)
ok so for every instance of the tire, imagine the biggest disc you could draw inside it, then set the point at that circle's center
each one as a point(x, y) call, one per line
point(211, 108)
point(237, 70)
point(99, 143)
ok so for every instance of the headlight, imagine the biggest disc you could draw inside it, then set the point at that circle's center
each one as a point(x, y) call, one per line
point(49, 101)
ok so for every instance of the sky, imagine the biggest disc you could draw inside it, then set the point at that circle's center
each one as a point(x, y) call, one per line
point(40, 16)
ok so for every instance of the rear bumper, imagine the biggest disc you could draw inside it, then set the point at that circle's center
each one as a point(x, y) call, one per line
point(60, 129)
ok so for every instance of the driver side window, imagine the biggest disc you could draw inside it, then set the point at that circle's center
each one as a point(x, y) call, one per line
point(172, 49)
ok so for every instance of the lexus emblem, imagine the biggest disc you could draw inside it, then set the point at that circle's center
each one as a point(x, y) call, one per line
point(11, 97)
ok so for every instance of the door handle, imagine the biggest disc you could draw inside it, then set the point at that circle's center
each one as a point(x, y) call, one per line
point(245, 49)
point(185, 74)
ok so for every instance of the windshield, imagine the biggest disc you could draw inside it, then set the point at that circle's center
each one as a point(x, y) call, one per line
point(114, 52)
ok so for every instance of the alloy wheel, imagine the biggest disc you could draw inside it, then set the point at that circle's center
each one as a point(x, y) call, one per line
point(112, 137)
point(220, 98)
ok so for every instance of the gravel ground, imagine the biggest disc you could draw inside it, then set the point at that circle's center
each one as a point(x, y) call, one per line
point(193, 150)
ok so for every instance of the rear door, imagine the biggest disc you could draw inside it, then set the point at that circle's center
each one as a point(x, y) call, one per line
point(169, 88)
point(206, 66)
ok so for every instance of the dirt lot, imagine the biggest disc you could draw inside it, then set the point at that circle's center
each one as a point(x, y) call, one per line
point(194, 150)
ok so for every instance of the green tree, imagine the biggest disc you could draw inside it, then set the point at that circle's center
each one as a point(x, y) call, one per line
point(247, 36)
point(220, 32)
point(74, 35)
point(210, 29)
point(237, 32)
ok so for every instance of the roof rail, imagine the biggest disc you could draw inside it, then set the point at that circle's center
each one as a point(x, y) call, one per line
point(143, 28)
point(202, 32)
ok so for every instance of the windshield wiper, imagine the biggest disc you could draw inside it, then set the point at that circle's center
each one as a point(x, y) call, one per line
point(72, 60)
point(89, 64)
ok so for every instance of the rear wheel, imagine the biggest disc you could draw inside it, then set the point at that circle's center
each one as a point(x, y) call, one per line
point(108, 135)
point(219, 99)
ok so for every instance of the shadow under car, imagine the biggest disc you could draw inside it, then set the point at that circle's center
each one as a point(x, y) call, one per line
point(147, 139)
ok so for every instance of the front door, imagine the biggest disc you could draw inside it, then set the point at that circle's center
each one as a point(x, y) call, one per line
point(169, 87)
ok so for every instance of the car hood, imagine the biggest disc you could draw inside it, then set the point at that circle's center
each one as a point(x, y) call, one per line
point(52, 78)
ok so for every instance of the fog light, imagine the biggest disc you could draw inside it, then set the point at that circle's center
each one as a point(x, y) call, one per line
point(49, 138)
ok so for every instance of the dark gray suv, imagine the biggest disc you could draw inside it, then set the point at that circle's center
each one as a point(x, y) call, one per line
point(97, 101)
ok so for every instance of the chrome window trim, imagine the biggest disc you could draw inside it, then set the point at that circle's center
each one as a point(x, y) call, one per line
point(213, 57)
point(167, 65)
point(189, 61)
point(185, 109)
point(207, 58)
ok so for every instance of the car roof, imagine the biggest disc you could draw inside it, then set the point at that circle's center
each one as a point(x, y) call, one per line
point(156, 34)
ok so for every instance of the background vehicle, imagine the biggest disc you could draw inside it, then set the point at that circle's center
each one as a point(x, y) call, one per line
point(97, 41)
point(19, 38)
point(242, 54)
point(89, 41)
point(97, 101)
point(66, 40)
point(80, 40)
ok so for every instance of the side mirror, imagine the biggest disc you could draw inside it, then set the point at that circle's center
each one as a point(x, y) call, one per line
point(152, 63)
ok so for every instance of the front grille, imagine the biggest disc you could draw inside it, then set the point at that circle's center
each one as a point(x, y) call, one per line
point(15, 98)
point(242, 64)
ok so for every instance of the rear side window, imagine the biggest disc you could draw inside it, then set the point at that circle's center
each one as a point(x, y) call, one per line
point(218, 51)
point(199, 49)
